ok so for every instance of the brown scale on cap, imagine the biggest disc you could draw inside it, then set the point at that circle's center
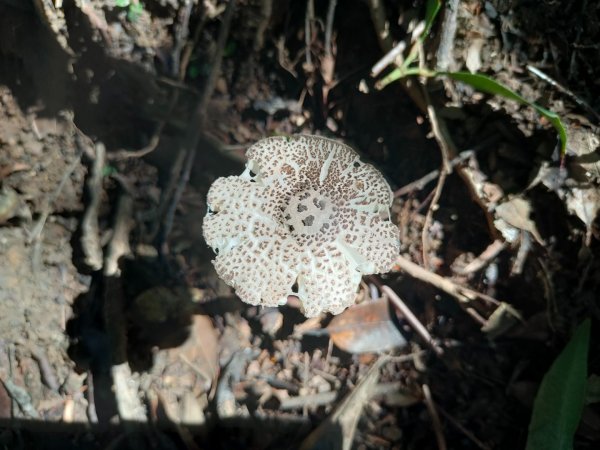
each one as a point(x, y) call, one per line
point(306, 218)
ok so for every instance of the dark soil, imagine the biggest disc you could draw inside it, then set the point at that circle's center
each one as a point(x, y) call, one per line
point(98, 283)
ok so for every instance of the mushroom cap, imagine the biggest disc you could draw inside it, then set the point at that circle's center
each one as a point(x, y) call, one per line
point(307, 218)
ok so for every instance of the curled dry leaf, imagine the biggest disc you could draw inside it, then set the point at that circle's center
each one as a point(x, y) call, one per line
point(584, 203)
point(516, 213)
point(368, 327)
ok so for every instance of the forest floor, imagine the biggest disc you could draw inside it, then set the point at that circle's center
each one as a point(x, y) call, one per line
point(115, 331)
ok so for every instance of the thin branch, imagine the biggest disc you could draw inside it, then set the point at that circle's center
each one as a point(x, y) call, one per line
point(197, 124)
point(435, 418)
point(461, 293)
point(180, 63)
point(419, 184)
point(393, 56)
point(90, 236)
point(381, 23)
point(448, 150)
point(433, 206)
point(266, 10)
point(329, 26)
point(444, 55)
point(412, 319)
point(463, 430)
point(309, 17)
point(581, 102)
point(483, 259)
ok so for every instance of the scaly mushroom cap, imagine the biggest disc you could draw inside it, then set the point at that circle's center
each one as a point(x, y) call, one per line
point(306, 218)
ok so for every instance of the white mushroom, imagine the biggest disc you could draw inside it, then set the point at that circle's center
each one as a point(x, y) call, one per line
point(307, 218)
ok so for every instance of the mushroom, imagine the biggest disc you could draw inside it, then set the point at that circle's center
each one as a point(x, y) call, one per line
point(307, 218)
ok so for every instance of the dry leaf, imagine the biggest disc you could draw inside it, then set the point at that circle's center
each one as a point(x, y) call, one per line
point(584, 203)
point(585, 143)
point(201, 350)
point(502, 319)
point(368, 327)
point(515, 212)
point(337, 431)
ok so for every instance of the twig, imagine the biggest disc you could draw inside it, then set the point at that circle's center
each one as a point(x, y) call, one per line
point(309, 400)
point(390, 57)
point(435, 418)
point(309, 17)
point(181, 69)
point(329, 26)
point(412, 319)
point(428, 178)
point(196, 126)
point(448, 31)
point(461, 293)
point(92, 415)
point(463, 430)
point(337, 430)
point(189, 47)
point(266, 9)
point(483, 259)
point(90, 240)
point(448, 151)
point(46, 370)
point(125, 388)
point(224, 396)
point(381, 23)
point(122, 154)
point(181, 33)
point(119, 242)
point(552, 82)
point(409, 357)
point(522, 253)
point(437, 192)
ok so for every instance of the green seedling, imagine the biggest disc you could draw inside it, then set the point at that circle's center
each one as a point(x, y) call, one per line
point(480, 82)
point(134, 8)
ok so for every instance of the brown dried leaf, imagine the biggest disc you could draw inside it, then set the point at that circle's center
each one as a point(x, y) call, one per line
point(368, 327)
point(501, 320)
point(516, 212)
point(201, 350)
point(584, 203)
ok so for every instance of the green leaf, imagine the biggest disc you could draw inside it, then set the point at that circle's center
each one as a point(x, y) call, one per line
point(135, 11)
point(561, 396)
point(122, 3)
point(488, 85)
point(433, 8)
